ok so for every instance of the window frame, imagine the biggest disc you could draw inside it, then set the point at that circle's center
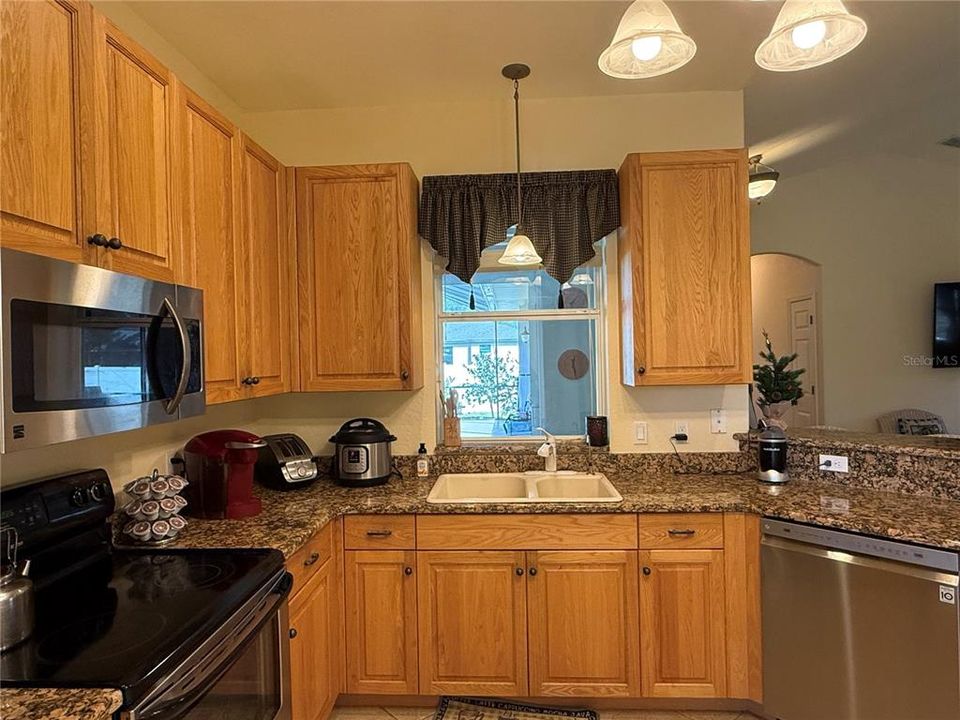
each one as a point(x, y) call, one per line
point(597, 314)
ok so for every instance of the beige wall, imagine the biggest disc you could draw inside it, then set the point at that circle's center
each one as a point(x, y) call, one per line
point(885, 227)
point(566, 133)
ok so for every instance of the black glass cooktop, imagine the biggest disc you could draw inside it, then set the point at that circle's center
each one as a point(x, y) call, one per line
point(130, 616)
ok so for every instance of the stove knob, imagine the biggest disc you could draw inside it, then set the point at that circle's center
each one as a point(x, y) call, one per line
point(99, 491)
point(79, 498)
point(302, 471)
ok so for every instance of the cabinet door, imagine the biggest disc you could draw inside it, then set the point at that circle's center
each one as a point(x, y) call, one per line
point(685, 268)
point(209, 252)
point(381, 621)
point(583, 623)
point(682, 623)
point(45, 55)
point(359, 278)
point(473, 627)
point(135, 193)
point(313, 646)
point(265, 284)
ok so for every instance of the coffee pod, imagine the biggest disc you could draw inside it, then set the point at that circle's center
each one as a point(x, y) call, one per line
point(150, 510)
point(168, 506)
point(177, 524)
point(141, 531)
point(159, 529)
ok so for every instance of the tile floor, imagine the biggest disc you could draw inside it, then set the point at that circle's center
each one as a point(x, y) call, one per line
point(419, 713)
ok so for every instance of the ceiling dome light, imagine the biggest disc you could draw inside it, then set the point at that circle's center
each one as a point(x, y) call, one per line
point(807, 34)
point(763, 179)
point(648, 42)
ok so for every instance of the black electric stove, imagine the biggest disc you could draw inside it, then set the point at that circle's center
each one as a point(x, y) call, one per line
point(119, 618)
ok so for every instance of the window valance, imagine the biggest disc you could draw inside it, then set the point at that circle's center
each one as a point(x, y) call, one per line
point(564, 213)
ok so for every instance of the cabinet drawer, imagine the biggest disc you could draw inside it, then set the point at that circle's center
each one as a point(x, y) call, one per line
point(311, 557)
point(527, 532)
point(379, 532)
point(681, 530)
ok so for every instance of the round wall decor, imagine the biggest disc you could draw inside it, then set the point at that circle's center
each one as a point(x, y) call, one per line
point(573, 364)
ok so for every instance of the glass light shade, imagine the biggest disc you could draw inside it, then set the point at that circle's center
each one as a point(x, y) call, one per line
point(520, 251)
point(634, 52)
point(807, 34)
point(762, 184)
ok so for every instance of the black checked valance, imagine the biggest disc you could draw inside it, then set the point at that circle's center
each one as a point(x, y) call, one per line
point(564, 214)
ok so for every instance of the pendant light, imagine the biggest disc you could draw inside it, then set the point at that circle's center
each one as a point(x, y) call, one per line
point(648, 42)
point(807, 34)
point(763, 179)
point(520, 250)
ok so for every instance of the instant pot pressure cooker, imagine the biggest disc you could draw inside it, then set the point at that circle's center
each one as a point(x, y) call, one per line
point(363, 457)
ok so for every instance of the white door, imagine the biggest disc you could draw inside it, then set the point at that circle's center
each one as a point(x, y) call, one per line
point(803, 342)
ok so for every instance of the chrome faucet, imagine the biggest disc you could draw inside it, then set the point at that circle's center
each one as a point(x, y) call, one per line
point(548, 451)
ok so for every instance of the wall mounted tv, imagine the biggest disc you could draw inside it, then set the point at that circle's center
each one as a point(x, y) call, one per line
point(946, 325)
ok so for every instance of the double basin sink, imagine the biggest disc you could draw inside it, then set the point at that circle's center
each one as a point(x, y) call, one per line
point(527, 487)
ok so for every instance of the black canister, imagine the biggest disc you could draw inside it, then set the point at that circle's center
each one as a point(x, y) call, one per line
point(772, 456)
point(597, 431)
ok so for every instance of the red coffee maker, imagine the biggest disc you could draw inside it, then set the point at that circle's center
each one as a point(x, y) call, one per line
point(219, 468)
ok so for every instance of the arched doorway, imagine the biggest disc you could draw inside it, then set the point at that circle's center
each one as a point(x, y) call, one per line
point(786, 293)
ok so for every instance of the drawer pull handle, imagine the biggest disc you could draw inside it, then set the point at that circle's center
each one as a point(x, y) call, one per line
point(675, 532)
point(647, 571)
point(379, 533)
point(314, 556)
point(293, 633)
point(408, 571)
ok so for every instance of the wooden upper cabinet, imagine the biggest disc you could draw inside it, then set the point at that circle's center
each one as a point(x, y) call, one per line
point(682, 623)
point(473, 628)
point(135, 180)
point(266, 256)
point(583, 623)
point(359, 278)
point(45, 58)
point(381, 621)
point(210, 257)
point(684, 257)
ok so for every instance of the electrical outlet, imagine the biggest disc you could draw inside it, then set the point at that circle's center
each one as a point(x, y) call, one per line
point(640, 433)
point(682, 428)
point(833, 463)
point(718, 420)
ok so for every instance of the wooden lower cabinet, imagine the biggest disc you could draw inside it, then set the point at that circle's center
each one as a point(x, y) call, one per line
point(381, 621)
point(314, 646)
point(473, 622)
point(682, 620)
point(583, 624)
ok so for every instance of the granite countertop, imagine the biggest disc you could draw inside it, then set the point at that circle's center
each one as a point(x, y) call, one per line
point(59, 703)
point(290, 518)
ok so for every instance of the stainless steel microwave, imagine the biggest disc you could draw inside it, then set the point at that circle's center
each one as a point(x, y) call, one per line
point(87, 351)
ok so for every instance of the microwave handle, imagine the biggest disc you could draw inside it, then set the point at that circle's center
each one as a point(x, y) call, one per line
point(174, 404)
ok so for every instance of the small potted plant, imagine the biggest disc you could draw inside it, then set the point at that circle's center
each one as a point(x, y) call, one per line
point(777, 386)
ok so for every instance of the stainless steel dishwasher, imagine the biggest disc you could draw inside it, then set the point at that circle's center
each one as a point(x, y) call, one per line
point(857, 628)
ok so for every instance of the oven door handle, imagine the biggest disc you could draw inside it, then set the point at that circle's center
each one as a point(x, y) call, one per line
point(192, 687)
point(174, 403)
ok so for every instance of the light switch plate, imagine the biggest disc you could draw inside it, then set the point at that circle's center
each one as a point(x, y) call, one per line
point(640, 433)
point(838, 463)
point(718, 420)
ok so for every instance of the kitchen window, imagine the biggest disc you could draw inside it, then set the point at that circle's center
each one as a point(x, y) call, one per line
point(516, 360)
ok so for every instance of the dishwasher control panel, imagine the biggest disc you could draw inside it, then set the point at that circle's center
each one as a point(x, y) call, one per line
point(943, 560)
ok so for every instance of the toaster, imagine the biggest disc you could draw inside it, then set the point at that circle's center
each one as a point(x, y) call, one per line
point(285, 462)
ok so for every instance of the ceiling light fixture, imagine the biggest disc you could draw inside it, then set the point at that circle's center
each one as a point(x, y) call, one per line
point(807, 34)
point(648, 42)
point(520, 250)
point(763, 179)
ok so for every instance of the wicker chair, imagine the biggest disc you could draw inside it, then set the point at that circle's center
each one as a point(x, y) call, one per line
point(890, 422)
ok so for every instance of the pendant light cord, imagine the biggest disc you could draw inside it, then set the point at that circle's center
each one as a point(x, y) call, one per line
point(516, 116)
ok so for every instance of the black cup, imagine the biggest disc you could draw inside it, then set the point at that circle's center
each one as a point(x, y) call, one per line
point(597, 434)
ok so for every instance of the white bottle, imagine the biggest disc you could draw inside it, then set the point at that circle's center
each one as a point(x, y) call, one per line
point(423, 462)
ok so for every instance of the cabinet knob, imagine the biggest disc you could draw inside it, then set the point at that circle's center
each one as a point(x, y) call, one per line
point(646, 570)
point(114, 243)
point(408, 571)
point(641, 370)
point(255, 380)
point(519, 572)
point(100, 240)
point(314, 556)
point(532, 571)
point(293, 633)
point(404, 374)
